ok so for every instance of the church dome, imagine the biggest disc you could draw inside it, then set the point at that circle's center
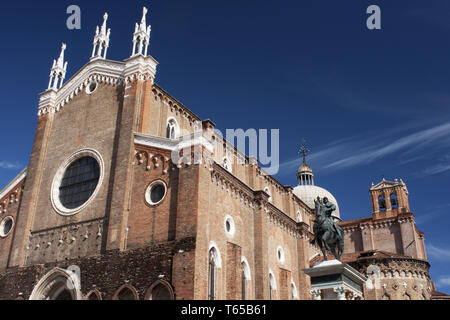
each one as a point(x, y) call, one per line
point(308, 193)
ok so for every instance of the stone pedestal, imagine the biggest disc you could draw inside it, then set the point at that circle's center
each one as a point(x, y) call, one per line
point(334, 280)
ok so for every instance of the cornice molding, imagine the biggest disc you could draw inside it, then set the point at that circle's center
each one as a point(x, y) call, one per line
point(102, 71)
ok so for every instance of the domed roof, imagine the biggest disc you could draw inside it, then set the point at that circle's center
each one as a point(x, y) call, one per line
point(304, 168)
point(308, 193)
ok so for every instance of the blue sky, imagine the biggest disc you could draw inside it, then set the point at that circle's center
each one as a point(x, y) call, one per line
point(371, 104)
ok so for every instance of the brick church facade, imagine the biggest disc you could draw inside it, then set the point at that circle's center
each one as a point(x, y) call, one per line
point(105, 210)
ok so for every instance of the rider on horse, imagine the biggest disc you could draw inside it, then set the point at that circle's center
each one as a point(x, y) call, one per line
point(327, 234)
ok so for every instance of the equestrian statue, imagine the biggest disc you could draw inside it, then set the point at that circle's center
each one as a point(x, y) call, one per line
point(327, 234)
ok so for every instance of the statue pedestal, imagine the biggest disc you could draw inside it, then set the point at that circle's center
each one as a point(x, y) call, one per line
point(334, 280)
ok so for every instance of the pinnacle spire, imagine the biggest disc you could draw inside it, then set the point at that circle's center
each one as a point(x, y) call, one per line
point(58, 71)
point(305, 175)
point(304, 151)
point(141, 36)
point(101, 40)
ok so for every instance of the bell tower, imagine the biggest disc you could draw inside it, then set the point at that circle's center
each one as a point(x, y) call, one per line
point(389, 198)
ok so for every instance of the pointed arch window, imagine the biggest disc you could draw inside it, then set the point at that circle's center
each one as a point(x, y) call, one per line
point(272, 286)
point(172, 129)
point(382, 203)
point(243, 281)
point(212, 274)
point(394, 201)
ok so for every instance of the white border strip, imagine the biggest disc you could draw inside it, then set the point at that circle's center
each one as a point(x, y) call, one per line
point(13, 183)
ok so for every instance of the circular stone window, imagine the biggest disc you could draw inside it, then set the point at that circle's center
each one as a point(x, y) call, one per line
point(155, 192)
point(280, 254)
point(229, 226)
point(77, 182)
point(6, 226)
point(91, 87)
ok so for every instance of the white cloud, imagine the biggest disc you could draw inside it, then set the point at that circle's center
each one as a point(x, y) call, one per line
point(416, 141)
point(361, 150)
point(9, 165)
point(437, 253)
point(444, 282)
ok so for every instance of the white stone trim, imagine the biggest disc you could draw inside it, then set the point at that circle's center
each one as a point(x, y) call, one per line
point(295, 291)
point(73, 283)
point(173, 145)
point(230, 220)
point(218, 260)
point(2, 226)
point(281, 257)
point(13, 183)
point(272, 280)
point(176, 126)
point(247, 272)
point(148, 191)
point(54, 192)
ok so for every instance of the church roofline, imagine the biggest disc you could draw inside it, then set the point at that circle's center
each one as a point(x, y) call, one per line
point(13, 183)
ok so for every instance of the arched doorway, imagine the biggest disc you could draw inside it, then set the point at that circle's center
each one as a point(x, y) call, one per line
point(58, 284)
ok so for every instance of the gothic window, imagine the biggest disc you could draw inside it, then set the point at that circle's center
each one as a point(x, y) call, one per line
point(299, 216)
point(212, 274)
point(243, 281)
point(294, 294)
point(94, 295)
point(394, 201)
point(161, 292)
point(79, 182)
point(382, 203)
point(172, 129)
point(126, 293)
point(272, 286)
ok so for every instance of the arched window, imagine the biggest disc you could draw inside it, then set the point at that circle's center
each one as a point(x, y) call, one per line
point(272, 286)
point(243, 281)
point(394, 201)
point(126, 292)
point(172, 129)
point(94, 295)
point(299, 216)
point(212, 274)
point(58, 284)
point(160, 290)
point(382, 203)
point(294, 294)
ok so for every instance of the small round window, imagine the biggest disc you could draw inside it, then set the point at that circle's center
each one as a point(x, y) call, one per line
point(280, 254)
point(156, 192)
point(229, 226)
point(91, 87)
point(6, 226)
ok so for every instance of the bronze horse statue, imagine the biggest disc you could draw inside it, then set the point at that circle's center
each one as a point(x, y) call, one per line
point(327, 234)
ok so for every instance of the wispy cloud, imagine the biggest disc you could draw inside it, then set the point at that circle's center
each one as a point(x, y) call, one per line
point(363, 150)
point(9, 165)
point(444, 282)
point(437, 253)
point(435, 211)
point(417, 140)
